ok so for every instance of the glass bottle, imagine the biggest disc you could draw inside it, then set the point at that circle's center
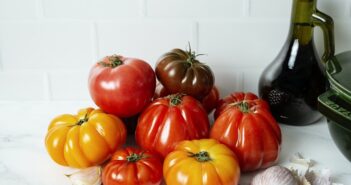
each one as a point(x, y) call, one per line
point(294, 80)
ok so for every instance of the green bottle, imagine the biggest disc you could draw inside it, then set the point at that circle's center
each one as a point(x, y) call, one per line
point(294, 80)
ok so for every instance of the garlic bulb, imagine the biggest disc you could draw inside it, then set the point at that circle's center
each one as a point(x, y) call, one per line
point(321, 179)
point(275, 175)
point(88, 176)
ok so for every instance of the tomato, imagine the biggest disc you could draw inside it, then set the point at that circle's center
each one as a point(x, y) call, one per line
point(169, 120)
point(160, 91)
point(238, 97)
point(180, 72)
point(209, 102)
point(201, 162)
point(86, 139)
point(122, 86)
point(249, 129)
point(133, 166)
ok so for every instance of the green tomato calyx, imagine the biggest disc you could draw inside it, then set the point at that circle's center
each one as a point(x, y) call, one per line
point(202, 156)
point(244, 107)
point(134, 157)
point(113, 61)
point(175, 99)
point(191, 55)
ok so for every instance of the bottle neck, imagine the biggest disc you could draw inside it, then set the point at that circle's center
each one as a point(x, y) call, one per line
point(301, 27)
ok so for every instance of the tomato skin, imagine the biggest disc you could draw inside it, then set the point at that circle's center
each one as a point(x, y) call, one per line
point(236, 97)
point(209, 102)
point(182, 167)
point(121, 171)
point(86, 139)
point(249, 129)
point(160, 91)
point(180, 72)
point(124, 89)
point(163, 124)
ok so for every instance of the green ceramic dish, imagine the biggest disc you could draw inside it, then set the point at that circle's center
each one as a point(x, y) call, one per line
point(335, 104)
point(341, 137)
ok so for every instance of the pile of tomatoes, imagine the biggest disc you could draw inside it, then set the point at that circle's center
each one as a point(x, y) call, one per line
point(177, 142)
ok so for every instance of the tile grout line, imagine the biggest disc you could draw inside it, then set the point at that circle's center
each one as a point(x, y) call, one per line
point(47, 87)
point(246, 8)
point(195, 28)
point(1, 63)
point(143, 8)
point(40, 10)
point(240, 81)
point(94, 42)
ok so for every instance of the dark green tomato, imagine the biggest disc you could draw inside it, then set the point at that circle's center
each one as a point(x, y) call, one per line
point(180, 72)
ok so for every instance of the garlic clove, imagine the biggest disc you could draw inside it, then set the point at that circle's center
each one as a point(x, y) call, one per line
point(275, 175)
point(88, 176)
point(304, 181)
point(298, 159)
point(320, 179)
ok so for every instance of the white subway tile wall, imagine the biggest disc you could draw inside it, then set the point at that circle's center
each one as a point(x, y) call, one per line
point(146, 39)
point(45, 45)
point(22, 85)
point(48, 46)
point(91, 9)
point(18, 9)
point(69, 85)
point(194, 9)
point(277, 9)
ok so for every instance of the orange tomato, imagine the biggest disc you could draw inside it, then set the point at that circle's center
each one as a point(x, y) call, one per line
point(201, 162)
point(86, 139)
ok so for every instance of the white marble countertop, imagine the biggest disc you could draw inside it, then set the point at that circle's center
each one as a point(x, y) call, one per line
point(24, 160)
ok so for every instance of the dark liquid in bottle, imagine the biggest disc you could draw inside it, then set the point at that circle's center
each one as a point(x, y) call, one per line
point(292, 83)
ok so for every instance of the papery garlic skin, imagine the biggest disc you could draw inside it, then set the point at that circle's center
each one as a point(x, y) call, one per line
point(275, 175)
point(88, 176)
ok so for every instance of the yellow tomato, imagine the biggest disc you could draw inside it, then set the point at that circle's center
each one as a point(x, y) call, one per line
point(86, 139)
point(201, 162)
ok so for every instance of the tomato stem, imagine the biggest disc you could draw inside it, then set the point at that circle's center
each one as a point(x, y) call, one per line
point(114, 61)
point(202, 156)
point(83, 120)
point(191, 55)
point(244, 107)
point(134, 157)
point(175, 99)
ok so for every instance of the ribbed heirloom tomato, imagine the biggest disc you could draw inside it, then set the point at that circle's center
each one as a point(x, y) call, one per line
point(122, 86)
point(247, 127)
point(169, 120)
point(86, 139)
point(133, 166)
point(180, 72)
point(201, 162)
point(237, 97)
point(209, 102)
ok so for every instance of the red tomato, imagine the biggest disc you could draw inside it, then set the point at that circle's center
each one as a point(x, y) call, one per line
point(133, 166)
point(209, 102)
point(122, 86)
point(169, 120)
point(236, 97)
point(249, 129)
